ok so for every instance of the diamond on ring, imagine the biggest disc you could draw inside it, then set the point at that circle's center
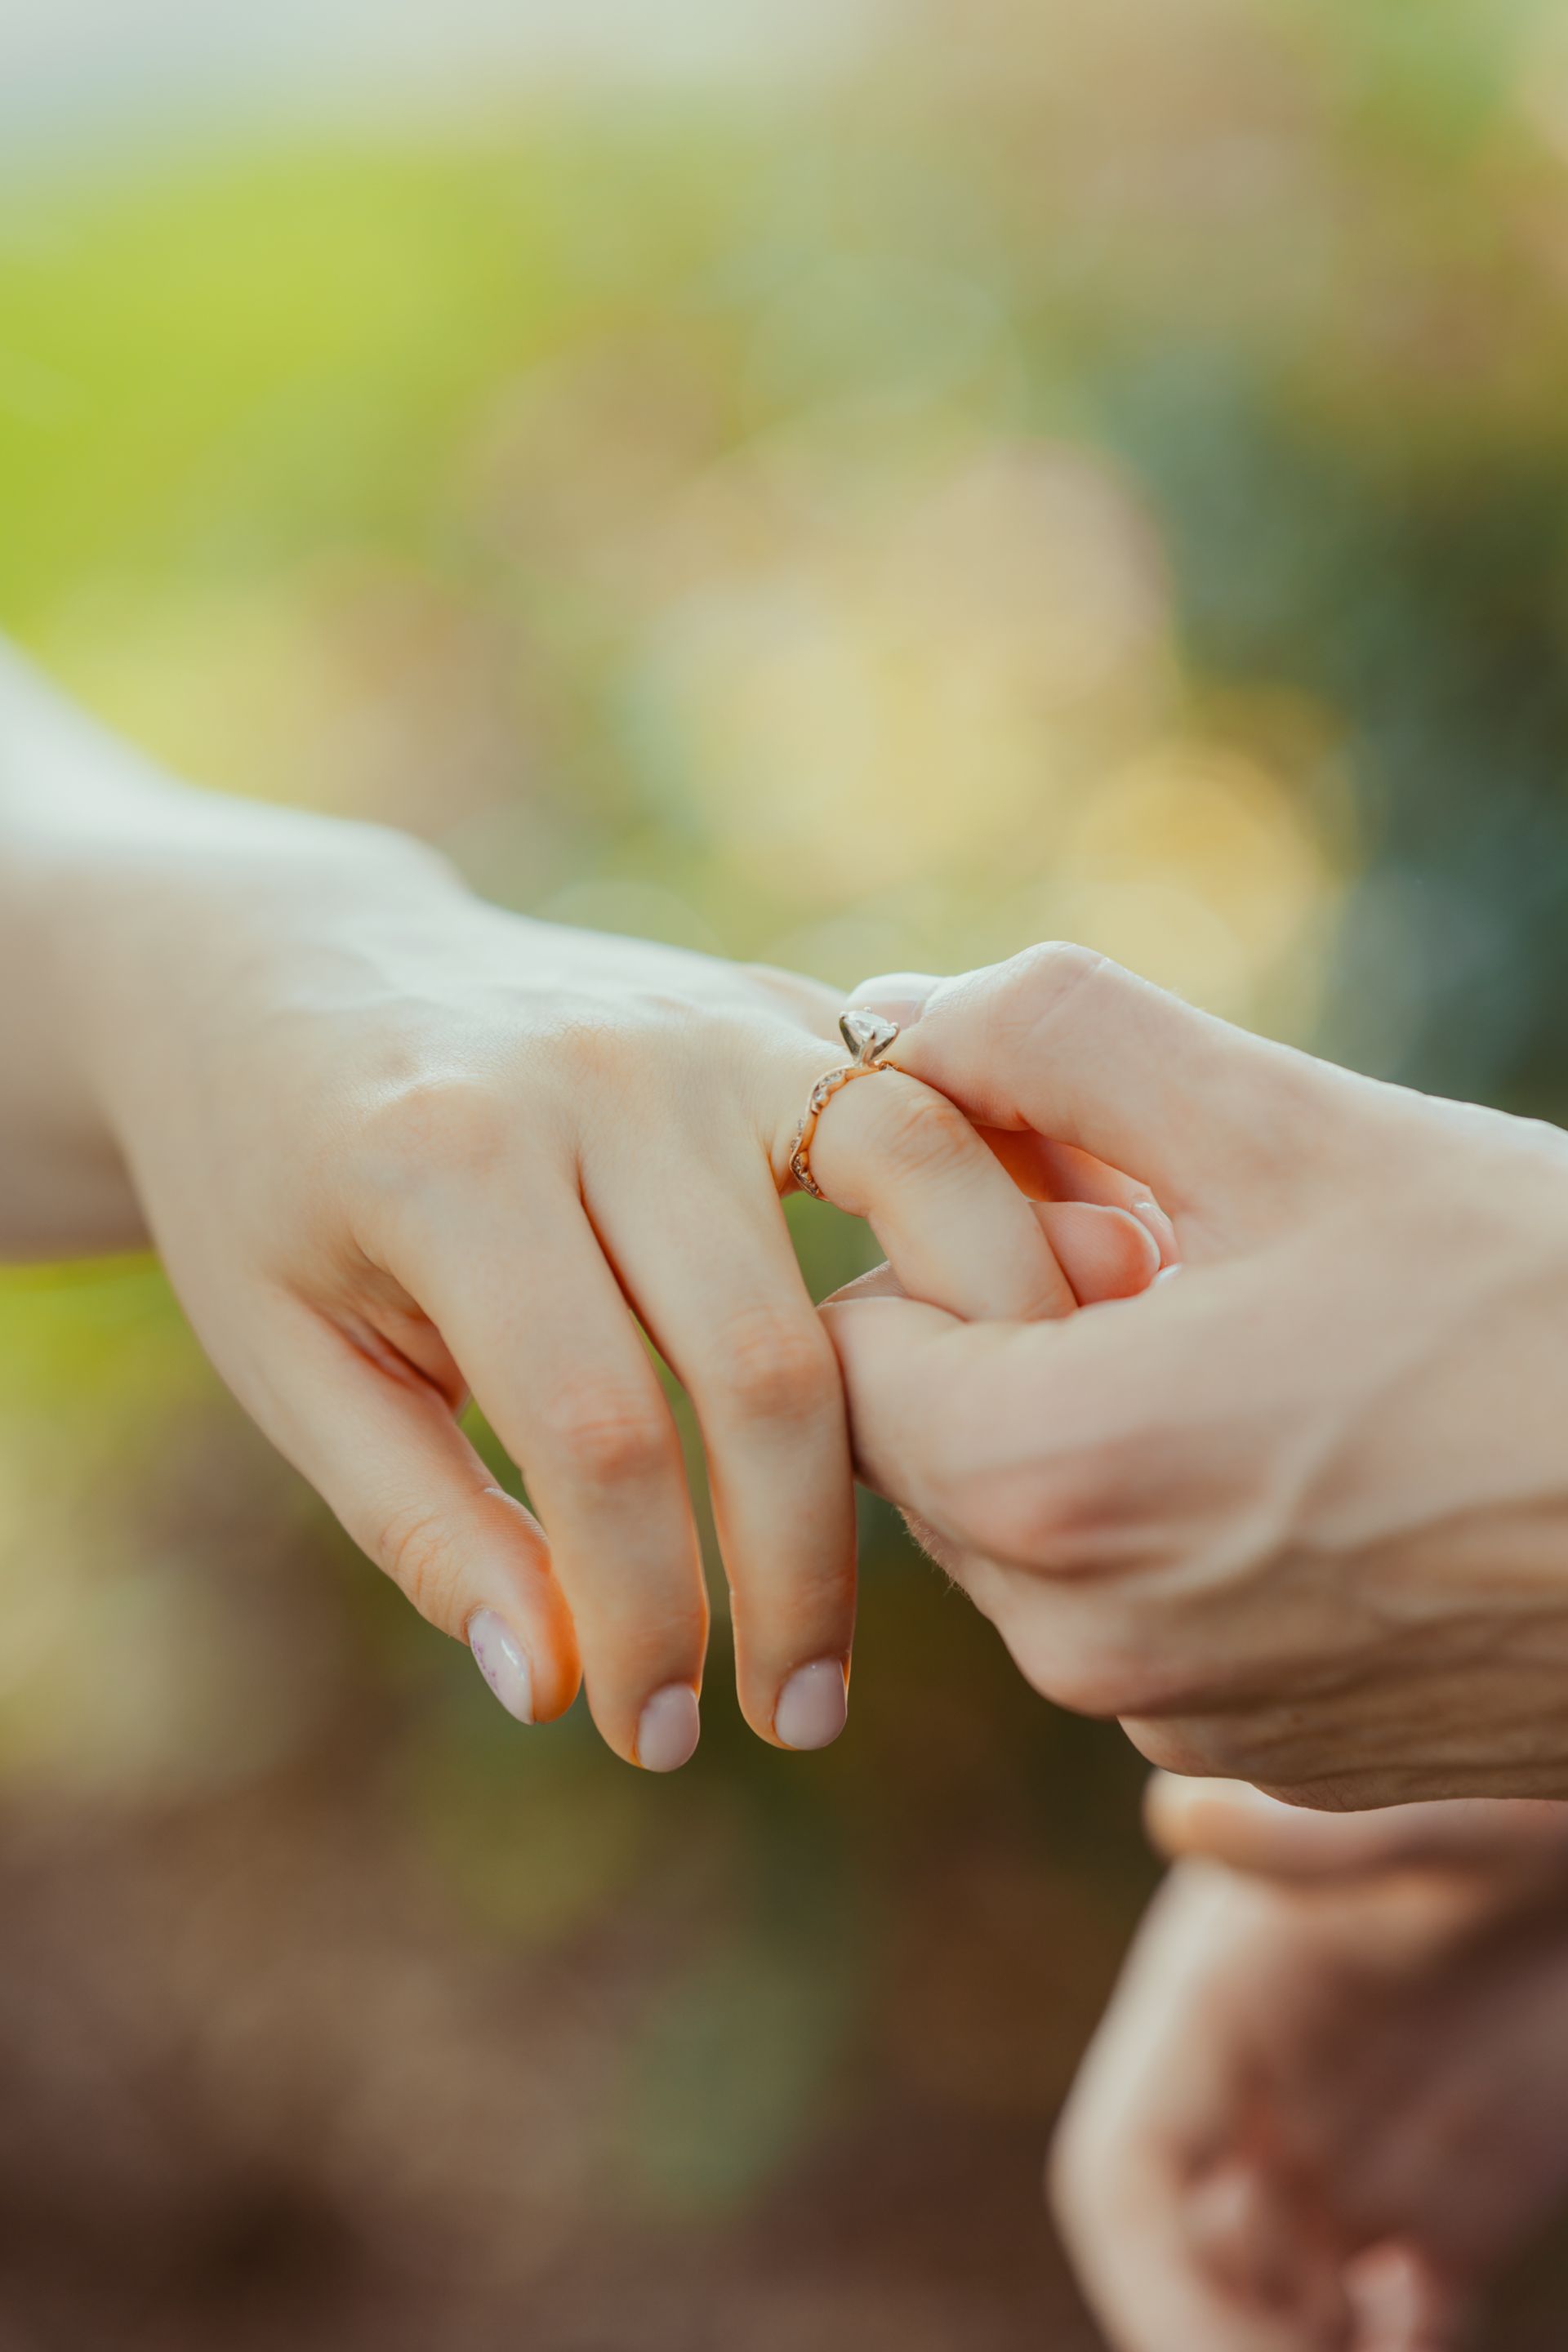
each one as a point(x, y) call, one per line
point(868, 1036)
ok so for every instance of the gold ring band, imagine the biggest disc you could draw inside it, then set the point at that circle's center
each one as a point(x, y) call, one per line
point(868, 1036)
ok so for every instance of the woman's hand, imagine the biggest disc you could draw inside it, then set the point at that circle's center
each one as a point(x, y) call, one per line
point(1329, 2102)
point(394, 1145)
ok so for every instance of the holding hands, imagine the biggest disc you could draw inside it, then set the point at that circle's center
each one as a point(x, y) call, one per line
point(395, 1146)
point(1299, 1516)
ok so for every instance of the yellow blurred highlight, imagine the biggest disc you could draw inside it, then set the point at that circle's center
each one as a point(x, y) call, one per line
point(855, 710)
point(1196, 865)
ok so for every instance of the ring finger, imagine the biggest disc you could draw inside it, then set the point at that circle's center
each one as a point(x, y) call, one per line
point(955, 1228)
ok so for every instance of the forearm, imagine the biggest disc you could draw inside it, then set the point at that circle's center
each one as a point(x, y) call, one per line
point(105, 863)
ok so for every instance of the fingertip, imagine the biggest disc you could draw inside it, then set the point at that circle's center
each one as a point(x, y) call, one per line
point(1105, 1253)
point(1262, 2245)
point(1402, 2301)
point(504, 1662)
point(668, 1730)
point(880, 1326)
point(520, 1590)
point(557, 1681)
point(1151, 1214)
point(1165, 1802)
point(535, 1673)
point(881, 1282)
point(1224, 1821)
point(813, 1705)
point(900, 996)
point(873, 1305)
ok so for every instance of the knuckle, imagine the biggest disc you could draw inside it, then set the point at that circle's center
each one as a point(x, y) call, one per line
point(1035, 987)
point(605, 1436)
point(417, 1548)
point(922, 1134)
point(434, 1120)
point(1038, 981)
point(774, 1366)
point(591, 1046)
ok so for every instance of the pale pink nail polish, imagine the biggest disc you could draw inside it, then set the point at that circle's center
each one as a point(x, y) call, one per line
point(504, 1661)
point(904, 1010)
point(669, 1729)
point(813, 1706)
point(900, 996)
point(1150, 1214)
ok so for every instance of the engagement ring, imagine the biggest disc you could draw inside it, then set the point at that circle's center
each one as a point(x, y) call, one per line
point(868, 1036)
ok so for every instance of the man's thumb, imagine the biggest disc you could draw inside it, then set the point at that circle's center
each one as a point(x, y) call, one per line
point(1062, 1041)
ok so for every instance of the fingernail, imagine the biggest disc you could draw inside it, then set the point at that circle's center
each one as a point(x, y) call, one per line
point(1166, 1274)
point(504, 1661)
point(669, 1729)
point(900, 996)
point(813, 1706)
point(1150, 1213)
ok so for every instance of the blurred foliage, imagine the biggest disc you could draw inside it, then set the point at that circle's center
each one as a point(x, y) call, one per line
point(1102, 471)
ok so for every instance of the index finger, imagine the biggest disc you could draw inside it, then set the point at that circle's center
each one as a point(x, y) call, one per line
point(906, 1364)
point(1068, 1043)
point(1049, 1171)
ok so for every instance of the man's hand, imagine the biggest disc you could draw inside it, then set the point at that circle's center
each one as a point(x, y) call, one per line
point(1329, 2102)
point(1299, 1514)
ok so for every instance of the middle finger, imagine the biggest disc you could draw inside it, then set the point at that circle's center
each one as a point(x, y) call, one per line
point(710, 1272)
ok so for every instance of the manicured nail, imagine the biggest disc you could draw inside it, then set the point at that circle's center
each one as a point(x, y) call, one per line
point(504, 1661)
point(1150, 1213)
point(669, 1729)
point(813, 1706)
point(898, 996)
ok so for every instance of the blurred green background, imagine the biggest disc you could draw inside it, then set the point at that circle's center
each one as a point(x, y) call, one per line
point(1095, 470)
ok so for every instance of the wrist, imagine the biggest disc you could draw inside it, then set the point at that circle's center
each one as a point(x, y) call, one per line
point(214, 906)
point(142, 925)
point(122, 896)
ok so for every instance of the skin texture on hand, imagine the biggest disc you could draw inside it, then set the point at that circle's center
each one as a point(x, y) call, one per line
point(1326, 2106)
point(1299, 1513)
point(394, 1146)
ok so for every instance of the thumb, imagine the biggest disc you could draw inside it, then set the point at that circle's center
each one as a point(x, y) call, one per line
point(1064, 1042)
point(1065, 1448)
point(1006, 1437)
